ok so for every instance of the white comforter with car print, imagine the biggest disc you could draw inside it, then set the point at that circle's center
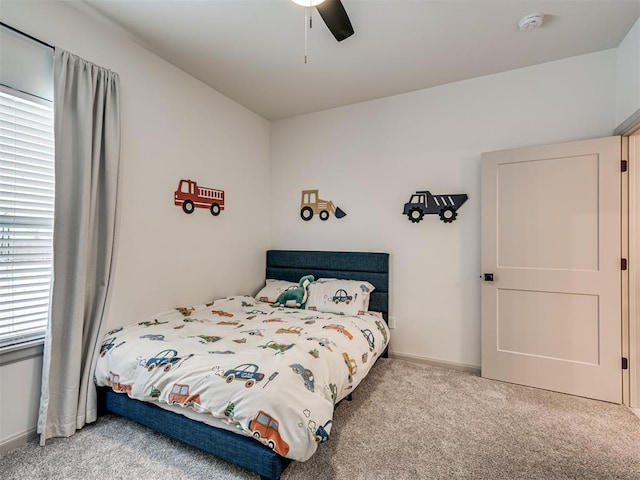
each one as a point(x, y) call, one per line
point(271, 373)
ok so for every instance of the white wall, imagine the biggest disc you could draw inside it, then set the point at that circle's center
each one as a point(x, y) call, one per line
point(628, 75)
point(370, 157)
point(173, 127)
point(25, 65)
point(19, 399)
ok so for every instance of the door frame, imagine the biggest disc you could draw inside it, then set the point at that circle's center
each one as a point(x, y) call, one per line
point(630, 133)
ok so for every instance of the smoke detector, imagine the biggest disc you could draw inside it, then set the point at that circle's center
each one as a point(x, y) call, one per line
point(531, 21)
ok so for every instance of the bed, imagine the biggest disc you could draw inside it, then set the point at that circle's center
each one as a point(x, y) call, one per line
point(252, 323)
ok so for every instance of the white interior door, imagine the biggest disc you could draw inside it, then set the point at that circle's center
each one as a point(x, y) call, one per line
point(551, 237)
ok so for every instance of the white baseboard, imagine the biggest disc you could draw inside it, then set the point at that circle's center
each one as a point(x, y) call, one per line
point(461, 367)
point(17, 440)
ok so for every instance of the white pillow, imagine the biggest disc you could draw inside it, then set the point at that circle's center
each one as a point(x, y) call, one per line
point(346, 297)
point(273, 289)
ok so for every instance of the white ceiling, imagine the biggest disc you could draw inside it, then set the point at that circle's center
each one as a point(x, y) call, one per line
point(253, 50)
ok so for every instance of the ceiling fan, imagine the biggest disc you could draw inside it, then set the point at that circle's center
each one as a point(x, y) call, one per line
point(334, 16)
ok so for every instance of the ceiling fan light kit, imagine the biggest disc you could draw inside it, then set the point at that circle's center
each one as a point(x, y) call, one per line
point(308, 3)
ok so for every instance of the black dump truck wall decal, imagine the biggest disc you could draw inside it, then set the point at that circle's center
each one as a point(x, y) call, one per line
point(423, 203)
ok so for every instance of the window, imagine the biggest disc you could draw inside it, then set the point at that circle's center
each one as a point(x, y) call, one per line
point(26, 215)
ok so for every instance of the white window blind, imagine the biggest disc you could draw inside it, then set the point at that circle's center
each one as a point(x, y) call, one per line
point(26, 216)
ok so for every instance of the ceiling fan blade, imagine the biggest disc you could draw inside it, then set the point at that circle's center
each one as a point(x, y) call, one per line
point(336, 18)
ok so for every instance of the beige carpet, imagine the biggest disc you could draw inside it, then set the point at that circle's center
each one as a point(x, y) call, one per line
point(406, 421)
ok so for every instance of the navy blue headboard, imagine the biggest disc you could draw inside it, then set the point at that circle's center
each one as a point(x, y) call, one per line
point(373, 267)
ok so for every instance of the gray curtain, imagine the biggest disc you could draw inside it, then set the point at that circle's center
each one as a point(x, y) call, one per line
point(87, 151)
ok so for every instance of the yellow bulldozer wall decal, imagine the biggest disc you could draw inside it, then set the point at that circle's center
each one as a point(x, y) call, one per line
point(311, 205)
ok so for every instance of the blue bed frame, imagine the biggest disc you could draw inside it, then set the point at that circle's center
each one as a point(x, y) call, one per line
point(238, 449)
point(373, 267)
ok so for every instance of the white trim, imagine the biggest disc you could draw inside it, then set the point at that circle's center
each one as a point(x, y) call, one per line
point(633, 339)
point(625, 249)
point(17, 440)
point(21, 351)
point(30, 97)
point(629, 125)
point(630, 132)
point(460, 367)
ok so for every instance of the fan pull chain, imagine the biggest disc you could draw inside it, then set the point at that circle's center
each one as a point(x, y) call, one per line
point(307, 15)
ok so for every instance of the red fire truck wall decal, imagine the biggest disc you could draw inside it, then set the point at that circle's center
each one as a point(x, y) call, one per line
point(190, 195)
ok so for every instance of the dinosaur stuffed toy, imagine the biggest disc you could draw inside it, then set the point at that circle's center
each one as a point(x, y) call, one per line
point(294, 297)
